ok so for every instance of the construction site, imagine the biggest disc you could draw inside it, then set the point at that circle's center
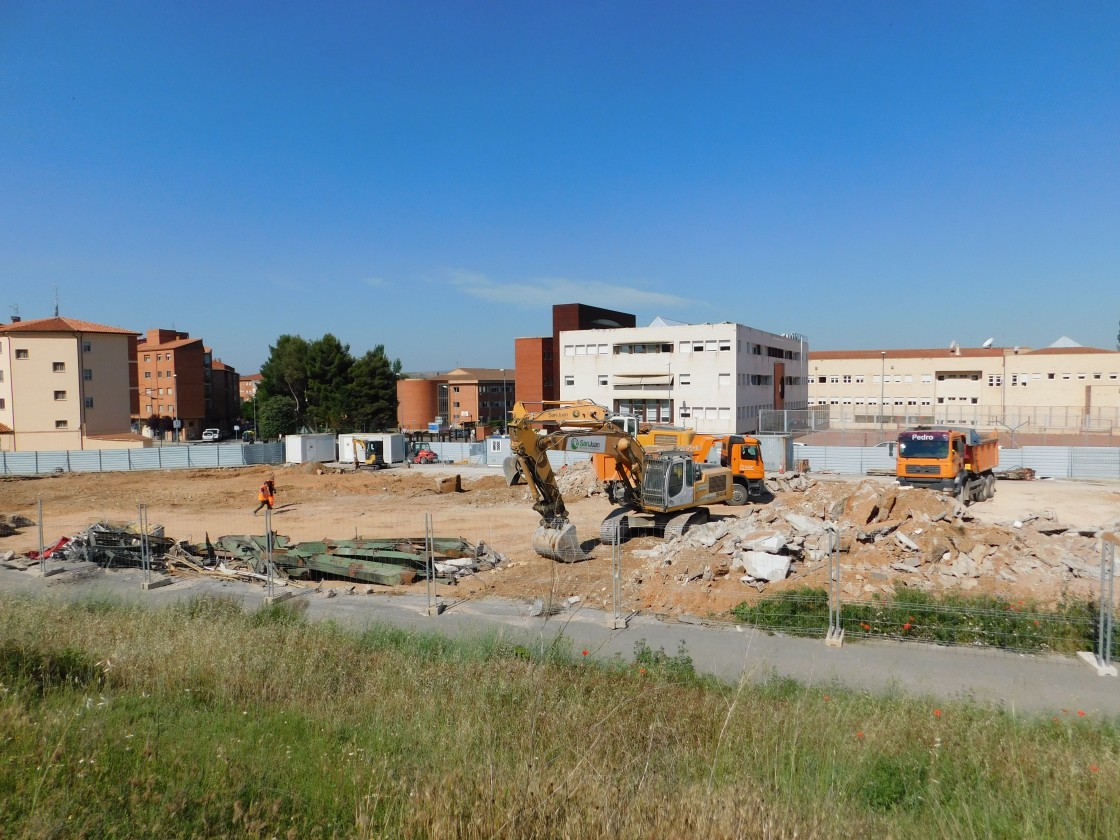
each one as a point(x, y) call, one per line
point(337, 529)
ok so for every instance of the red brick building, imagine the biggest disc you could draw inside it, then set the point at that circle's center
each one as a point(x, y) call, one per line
point(537, 360)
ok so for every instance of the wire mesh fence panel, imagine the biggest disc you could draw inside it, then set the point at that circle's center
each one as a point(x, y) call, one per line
point(980, 621)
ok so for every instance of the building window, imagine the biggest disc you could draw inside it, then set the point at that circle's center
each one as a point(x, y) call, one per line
point(86, 346)
point(847, 379)
point(147, 357)
point(148, 411)
point(59, 367)
point(821, 380)
point(725, 344)
point(147, 374)
point(21, 354)
point(834, 380)
point(927, 378)
point(569, 380)
point(59, 396)
point(859, 380)
point(686, 346)
point(159, 374)
point(60, 424)
point(685, 379)
point(602, 379)
point(89, 402)
point(1, 404)
point(995, 380)
point(724, 380)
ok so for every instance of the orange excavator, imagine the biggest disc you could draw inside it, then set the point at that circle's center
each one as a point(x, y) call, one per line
point(657, 491)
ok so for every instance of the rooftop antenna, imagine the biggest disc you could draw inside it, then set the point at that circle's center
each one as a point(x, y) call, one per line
point(56, 300)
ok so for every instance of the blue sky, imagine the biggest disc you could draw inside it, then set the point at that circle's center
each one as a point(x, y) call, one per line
point(433, 176)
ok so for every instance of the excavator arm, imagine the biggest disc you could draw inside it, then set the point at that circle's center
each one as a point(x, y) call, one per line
point(583, 426)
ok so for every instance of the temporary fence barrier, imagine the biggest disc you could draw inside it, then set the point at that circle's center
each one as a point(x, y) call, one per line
point(186, 456)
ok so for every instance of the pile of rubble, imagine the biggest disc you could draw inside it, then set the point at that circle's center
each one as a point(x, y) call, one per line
point(387, 561)
point(11, 523)
point(886, 536)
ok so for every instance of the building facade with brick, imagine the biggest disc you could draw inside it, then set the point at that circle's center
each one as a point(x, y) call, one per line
point(66, 384)
point(460, 399)
point(183, 386)
point(536, 360)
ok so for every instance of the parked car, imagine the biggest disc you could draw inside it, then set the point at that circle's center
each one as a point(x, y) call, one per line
point(212, 435)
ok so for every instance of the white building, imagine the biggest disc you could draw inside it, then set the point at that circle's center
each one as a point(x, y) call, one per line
point(715, 378)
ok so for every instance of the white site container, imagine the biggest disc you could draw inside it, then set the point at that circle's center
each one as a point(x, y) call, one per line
point(392, 443)
point(302, 449)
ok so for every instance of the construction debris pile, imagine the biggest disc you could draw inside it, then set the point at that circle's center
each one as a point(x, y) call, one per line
point(389, 561)
point(886, 536)
point(10, 524)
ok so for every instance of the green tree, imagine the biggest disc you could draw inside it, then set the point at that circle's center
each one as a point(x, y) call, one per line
point(153, 424)
point(276, 416)
point(285, 373)
point(372, 397)
point(329, 366)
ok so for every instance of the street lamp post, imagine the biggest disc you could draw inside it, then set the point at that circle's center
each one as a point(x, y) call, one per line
point(882, 391)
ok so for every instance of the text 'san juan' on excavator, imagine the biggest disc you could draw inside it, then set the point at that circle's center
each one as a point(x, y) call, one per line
point(658, 492)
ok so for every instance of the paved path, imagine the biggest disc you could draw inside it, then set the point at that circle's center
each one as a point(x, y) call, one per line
point(1017, 682)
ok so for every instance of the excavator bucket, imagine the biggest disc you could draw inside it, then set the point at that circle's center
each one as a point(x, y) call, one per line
point(558, 542)
point(512, 470)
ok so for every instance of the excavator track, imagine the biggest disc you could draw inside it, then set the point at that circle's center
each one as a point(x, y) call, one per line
point(680, 523)
point(616, 525)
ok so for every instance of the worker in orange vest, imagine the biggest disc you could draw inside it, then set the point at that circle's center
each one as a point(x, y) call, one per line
point(266, 495)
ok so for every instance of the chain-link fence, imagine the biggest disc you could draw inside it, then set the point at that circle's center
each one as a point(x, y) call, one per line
point(960, 619)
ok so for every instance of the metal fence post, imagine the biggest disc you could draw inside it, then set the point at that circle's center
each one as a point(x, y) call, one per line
point(42, 548)
point(620, 622)
point(145, 557)
point(1101, 659)
point(835, 637)
point(434, 607)
point(268, 551)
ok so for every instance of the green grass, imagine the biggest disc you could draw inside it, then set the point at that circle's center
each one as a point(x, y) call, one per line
point(957, 619)
point(203, 721)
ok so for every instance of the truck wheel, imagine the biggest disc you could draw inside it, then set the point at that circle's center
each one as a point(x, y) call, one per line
point(738, 494)
point(962, 493)
point(989, 486)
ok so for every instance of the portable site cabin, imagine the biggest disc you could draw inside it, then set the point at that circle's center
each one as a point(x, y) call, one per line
point(302, 449)
point(393, 446)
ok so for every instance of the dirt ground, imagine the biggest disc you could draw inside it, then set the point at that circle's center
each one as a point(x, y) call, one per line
point(315, 502)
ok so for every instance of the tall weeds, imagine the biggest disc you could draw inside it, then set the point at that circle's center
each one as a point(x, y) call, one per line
point(202, 720)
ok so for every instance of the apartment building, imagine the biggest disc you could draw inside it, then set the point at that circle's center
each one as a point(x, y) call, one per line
point(181, 383)
point(66, 384)
point(464, 398)
point(1060, 388)
point(715, 378)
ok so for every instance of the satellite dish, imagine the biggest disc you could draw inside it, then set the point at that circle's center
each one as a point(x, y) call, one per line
point(953, 346)
point(988, 343)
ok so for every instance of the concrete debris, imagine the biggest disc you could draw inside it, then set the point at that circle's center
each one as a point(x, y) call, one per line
point(763, 566)
point(890, 534)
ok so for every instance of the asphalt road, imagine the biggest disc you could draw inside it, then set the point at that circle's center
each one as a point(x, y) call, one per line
point(1019, 683)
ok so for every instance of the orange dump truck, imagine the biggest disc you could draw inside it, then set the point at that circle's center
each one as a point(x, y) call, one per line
point(947, 458)
point(739, 453)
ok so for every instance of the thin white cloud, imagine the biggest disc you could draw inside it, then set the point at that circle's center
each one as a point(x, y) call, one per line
point(546, 291)
point(375, 282)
